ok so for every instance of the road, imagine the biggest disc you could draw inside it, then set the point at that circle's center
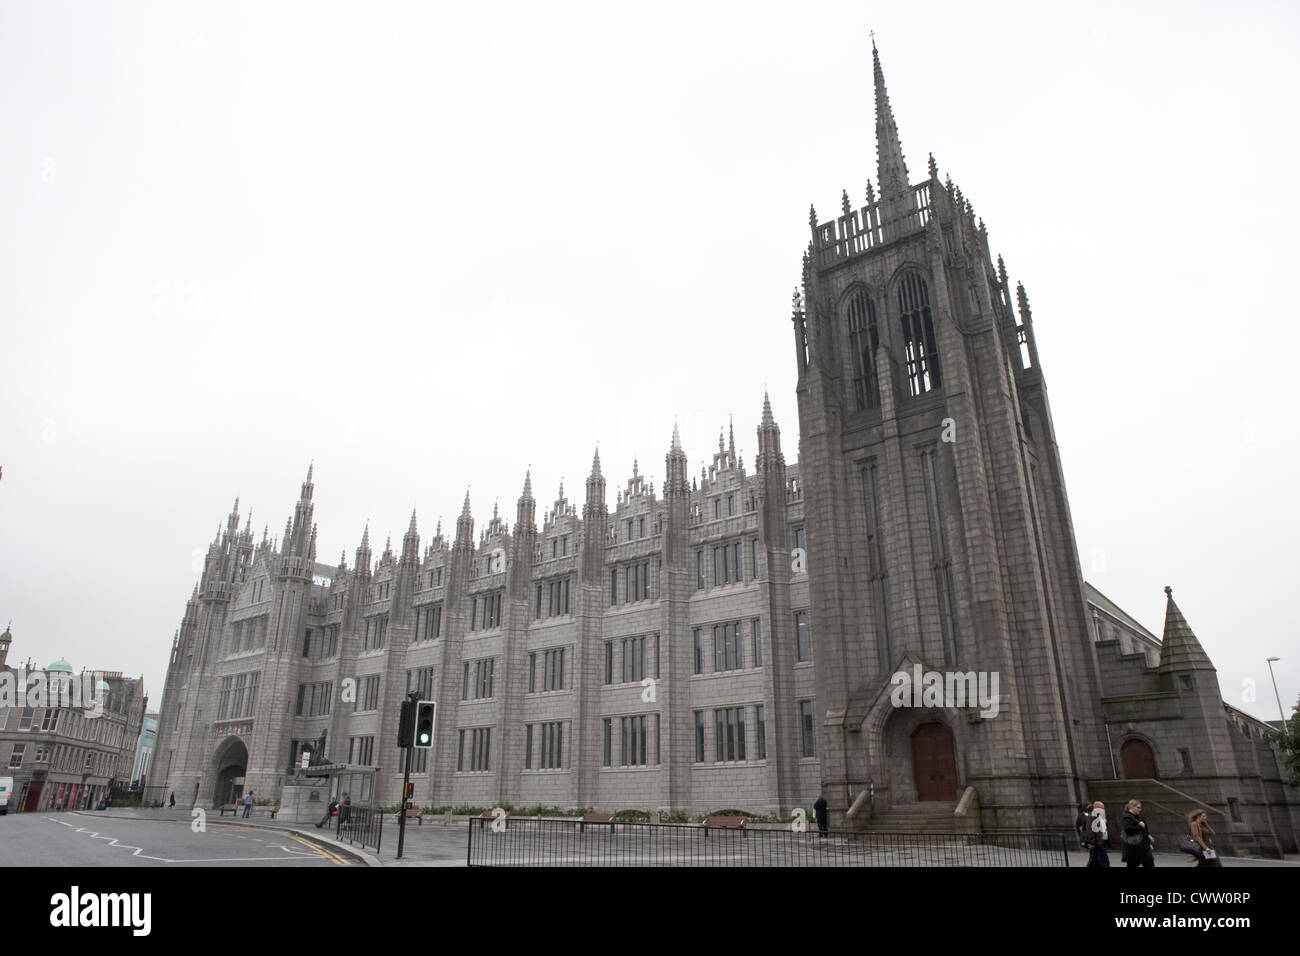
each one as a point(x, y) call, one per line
point(76, 839)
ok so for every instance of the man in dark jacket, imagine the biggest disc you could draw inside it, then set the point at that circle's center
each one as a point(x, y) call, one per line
point(329, 812)
point(1081, 823)
point(819, 809)
point(1138, 846)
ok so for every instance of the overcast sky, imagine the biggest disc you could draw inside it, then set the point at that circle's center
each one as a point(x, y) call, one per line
point(428, 245)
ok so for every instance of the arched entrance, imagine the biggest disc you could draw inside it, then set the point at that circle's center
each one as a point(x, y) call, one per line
point(934, 762)
point(230, 764)
point(1138, 760)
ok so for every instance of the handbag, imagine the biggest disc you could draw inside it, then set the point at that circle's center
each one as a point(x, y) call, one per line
point(1134, 839)
point(1189, 846)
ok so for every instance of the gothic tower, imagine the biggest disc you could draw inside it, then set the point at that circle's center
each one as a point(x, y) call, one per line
point(938, 530)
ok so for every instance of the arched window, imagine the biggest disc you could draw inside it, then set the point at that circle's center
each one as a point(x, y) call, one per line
point(919, 348)
point(866, 338)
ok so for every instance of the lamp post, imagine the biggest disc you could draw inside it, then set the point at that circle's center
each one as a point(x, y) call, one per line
point(1281, 713)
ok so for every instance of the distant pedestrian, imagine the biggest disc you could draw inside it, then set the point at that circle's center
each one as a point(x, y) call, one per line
point(1096, 836)
point(1139, 847)
point(172, 801)
point(345, 812)
point(819, 810)
point(248, 803)
point(1198, 823)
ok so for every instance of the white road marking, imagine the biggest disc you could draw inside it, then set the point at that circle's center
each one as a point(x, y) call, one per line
point(139, 851)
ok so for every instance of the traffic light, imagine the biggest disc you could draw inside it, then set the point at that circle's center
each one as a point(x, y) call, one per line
point(426, 716)
point(406, 723)
point(410, 792)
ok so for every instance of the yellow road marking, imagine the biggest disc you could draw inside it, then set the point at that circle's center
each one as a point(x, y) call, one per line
point(319, 849)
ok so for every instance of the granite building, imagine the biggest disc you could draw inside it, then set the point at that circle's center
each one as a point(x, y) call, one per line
point(66, 751)
point(732, 641)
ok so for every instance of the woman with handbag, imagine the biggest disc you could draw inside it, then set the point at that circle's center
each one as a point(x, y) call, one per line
point(1198, 823)
point(1138, 844)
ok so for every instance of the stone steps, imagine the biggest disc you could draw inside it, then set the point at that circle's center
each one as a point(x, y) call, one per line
point(936, 817)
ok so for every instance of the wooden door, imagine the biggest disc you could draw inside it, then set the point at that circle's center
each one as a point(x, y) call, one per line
point(934, 763)
point(1139, 762)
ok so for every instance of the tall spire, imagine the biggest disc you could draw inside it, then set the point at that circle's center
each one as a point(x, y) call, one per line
point(363, 552)
point(768, 420)
point(1179, 649)
point(411, 543)
point(595, 484)
point(526, 508)
point(891, 168)
point(465, 526)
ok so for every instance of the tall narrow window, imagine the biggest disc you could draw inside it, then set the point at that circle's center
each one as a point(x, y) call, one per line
point(806, 728)
point(920, 352)
point(866, 339)
point(803, 645)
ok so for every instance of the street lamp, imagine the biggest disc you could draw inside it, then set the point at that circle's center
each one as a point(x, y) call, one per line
point(1281, 713)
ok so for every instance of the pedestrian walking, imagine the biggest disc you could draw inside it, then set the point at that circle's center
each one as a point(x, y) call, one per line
point(172, 802)
point(345, 812)
point(819, 810)
point(1097, 836)
point(1139, 847)
point(248, 803)
point(1081, 823)
point(1198, 825)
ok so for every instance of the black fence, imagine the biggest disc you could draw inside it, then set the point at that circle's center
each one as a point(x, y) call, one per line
point(360, 826)
point(126, 796)
point(519, 842)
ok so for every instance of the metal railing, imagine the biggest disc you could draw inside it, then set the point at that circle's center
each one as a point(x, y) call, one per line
point(360, 826)
point(567, 843)
point(124, 796)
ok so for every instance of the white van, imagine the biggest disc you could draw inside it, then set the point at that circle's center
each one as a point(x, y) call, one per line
point(6, 791)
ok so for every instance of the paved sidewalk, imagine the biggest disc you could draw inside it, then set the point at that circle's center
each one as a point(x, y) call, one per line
point(439, 843)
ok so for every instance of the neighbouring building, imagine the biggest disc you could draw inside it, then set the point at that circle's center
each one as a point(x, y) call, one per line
point(65, 753)
point(144, 750)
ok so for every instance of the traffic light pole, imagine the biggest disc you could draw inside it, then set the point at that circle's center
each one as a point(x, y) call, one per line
point(406, 777)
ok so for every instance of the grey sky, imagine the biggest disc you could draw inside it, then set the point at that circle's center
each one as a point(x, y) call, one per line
point(428, 245)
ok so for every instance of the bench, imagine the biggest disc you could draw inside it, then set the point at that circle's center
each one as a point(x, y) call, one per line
point(600, 818)
point(232, 807)
point(271, 810)
point(725, 823)
point(415, 812)
point(487, 817)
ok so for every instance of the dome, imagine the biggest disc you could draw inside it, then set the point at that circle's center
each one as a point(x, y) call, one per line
point(103, 685)
point(60, 665)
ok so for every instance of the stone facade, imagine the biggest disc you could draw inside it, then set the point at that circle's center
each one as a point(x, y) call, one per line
point(569, 663)
point(733, 641)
